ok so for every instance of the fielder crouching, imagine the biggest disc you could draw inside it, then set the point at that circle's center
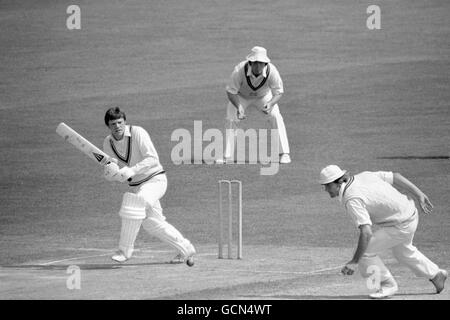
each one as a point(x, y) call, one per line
point(370, 198)
point(141, 169)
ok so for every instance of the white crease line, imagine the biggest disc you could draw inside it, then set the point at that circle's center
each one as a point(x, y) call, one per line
point(202, 254)
point(75, 258)
point(98, 255)
point(88, 249)
point(112, 250)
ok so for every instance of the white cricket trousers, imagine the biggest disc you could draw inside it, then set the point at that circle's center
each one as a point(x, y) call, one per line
point(155, 222)
point(399, 240)
point(274, 117)
point(151, 191)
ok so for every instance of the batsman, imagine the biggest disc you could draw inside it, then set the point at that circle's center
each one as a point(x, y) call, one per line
point(132, 149)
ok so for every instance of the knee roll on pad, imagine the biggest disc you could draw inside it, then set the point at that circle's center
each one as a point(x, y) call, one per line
point(133, 206)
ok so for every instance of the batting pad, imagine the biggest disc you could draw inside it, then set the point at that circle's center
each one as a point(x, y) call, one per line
point(133, 207)
point(128, 233)
point(168, 234)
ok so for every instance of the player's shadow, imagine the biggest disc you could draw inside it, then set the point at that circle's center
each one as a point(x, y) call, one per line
point(88, 266)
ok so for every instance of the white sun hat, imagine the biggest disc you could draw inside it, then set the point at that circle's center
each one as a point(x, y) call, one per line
point(258, 54)
point(330, 173)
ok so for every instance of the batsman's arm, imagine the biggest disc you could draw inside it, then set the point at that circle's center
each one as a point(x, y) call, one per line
point(148, 151)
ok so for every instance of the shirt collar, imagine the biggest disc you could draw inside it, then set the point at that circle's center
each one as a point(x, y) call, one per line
point(250, 73)
point(341, 191)
point(344, 186)
point(126, 133)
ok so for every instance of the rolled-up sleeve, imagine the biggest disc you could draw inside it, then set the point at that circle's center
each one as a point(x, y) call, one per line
point(234, 83)
point(358, 213)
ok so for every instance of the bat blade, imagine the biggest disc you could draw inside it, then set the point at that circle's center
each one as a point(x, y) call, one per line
point(82, 144)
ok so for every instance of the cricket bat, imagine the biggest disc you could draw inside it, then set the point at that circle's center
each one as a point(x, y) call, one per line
point(82, 144)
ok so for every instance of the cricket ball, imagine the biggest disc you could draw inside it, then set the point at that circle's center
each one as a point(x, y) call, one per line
point(190, 261)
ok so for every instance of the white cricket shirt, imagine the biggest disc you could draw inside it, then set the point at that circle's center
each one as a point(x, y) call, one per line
point(370, 198)
point(243, 82)
point(135, 150)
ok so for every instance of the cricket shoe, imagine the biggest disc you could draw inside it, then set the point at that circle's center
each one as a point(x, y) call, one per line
point(119, 256)
point(177, 259)
point(439, 280)
point(285, 158)
point(180, 259)
point(387, 289)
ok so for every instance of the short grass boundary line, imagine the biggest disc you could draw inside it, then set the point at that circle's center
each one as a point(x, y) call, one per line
point(303, 273)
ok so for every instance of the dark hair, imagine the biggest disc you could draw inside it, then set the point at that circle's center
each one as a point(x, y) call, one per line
point(114, 113)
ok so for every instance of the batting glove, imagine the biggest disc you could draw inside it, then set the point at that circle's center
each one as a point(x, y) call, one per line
point(110, 171)
point(125, 174)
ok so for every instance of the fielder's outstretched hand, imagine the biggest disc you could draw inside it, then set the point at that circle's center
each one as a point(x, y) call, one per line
point(349, 269)
point(425, 204)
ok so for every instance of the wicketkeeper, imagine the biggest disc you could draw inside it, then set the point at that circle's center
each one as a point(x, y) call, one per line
point(141, 169)
point(370, 198)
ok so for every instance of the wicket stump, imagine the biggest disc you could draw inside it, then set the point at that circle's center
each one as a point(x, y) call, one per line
point(230, 183)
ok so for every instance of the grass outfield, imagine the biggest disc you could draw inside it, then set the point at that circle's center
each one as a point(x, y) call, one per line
point(366, 100)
